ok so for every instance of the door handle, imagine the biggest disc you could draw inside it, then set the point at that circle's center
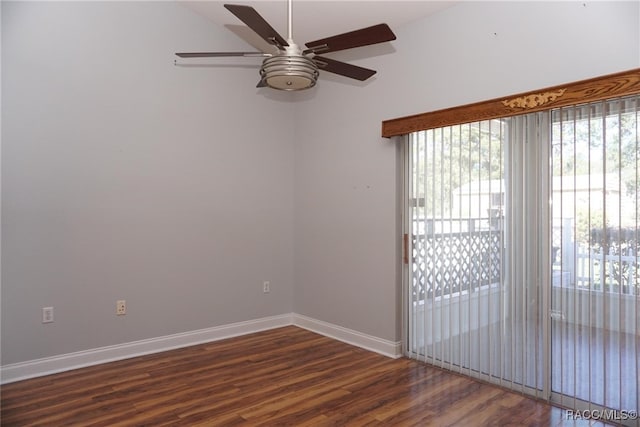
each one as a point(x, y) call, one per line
point(405, 250)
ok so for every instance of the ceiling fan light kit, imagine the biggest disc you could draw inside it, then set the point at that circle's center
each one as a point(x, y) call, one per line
point(290, 68)
point(289, 71)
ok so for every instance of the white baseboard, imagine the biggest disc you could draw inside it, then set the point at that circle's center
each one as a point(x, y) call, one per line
point(65, 362)
point(368, 342)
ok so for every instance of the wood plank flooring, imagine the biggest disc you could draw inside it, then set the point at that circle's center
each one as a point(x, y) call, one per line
point(282, 377)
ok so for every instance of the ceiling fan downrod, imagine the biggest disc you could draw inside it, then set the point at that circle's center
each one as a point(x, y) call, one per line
point(290, 21)
point(289, 69)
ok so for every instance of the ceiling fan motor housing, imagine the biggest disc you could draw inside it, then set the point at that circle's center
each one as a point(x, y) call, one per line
point(289, 70)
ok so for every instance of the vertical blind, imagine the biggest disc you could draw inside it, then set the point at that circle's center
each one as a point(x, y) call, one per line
point(596, 288)
point(523, 236)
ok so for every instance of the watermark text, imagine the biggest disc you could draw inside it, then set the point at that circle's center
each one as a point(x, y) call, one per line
point(602, 414)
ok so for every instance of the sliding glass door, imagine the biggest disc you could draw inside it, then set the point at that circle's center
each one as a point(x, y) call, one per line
point(476, 288)
point(595, 274)
point(522, 240)
point(457, 245)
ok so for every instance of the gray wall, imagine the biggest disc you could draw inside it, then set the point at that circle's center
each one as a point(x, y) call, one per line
point(182, 189)
point(346, 241)
point(126, 177)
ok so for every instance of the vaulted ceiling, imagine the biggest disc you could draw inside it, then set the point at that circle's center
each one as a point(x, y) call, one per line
point(313, 19)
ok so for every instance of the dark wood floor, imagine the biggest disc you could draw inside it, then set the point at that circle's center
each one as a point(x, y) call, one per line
point(286, 376)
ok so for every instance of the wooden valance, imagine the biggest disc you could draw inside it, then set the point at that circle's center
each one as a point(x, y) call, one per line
point(596, 89)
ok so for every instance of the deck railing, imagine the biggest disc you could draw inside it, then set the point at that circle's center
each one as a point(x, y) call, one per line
point(613, 267)
point(451, 258)
point(449, 263)
point(611, 272)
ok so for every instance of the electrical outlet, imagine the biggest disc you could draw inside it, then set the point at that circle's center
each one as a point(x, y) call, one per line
point(47, 314)
point(266, 287)
point(121, 307)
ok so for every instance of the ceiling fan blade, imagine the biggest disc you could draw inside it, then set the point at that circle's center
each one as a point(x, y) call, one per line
point(366, 36)
point(257, 23)
point(261, 83)
point(220, 54)
point(342, 68)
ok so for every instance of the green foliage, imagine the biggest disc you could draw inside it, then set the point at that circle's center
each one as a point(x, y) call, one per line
point(587, 142)
point(585, 222)
point(455, 156)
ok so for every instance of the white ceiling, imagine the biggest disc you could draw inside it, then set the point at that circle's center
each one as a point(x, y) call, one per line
point(315, 19)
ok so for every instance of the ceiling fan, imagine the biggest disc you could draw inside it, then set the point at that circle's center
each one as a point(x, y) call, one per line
point(290, 67)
